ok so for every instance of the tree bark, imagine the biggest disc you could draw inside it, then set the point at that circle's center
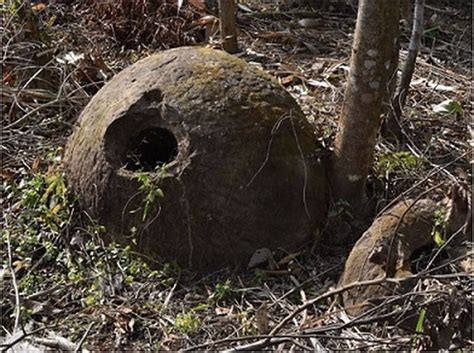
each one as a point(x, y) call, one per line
point(409, 66)
point(391, 129)
point(376, 34)
point(228, 26)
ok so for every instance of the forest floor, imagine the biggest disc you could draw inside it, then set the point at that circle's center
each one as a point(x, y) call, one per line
point(64, 288)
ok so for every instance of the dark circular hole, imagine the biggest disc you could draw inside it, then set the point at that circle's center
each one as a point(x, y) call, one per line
point(150, 149)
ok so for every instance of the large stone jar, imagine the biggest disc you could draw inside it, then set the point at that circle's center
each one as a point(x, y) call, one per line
point(229, 148)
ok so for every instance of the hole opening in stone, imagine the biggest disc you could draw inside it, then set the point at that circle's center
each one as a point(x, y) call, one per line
point(150, 149)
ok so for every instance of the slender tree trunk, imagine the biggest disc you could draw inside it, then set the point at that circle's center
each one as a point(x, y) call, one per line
point(409, 66)
point(228, 26)
point(392, 129)
point(376, 34)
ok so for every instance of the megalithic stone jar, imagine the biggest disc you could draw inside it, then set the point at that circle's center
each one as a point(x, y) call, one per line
point(230, 149)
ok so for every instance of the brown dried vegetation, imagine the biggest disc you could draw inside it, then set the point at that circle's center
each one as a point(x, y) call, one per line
point(142, 23)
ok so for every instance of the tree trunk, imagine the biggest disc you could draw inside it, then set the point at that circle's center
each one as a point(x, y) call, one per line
point(391, 128)
point(376, 34)
point(409, 66)
point(228, 26)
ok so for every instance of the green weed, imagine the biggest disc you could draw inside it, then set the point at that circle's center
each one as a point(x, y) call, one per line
point(187, 323)
point(439, 229)
point(402, 162)
point(150, 186)
point(420, 324)
point(221, 291)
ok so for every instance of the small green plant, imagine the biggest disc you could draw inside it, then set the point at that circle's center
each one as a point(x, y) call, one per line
point(187, 323)
point(449, 107)
point(420, 324)
point(259, 275)
point(221, 291)
point(341, 209)
point(44, 190)
point(150, 186)
point(247, 326)
point(10, 8)
point(42, 210)
point(439, 229)
point(430, 32)
point(93, 295)
point(403, 162)
point(201, 307)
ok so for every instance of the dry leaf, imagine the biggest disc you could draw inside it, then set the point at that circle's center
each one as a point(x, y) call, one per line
point(311, 48)
point(244, 8)
point(318, 66)
point(289, 68)
point(205, 20)
point(280, 37)
point(39, 7)
point(124, 310)
point(6, 75)
point(288, 258)
point(18, 264)
point(310, 23)
point(261, 317)
point(317, 83)
point(275, 273)
point(287, 80)
point(223, 311)
point(6, 175)
point(199, 4)
point(35, 165)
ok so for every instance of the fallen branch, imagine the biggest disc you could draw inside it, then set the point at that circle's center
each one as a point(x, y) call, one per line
point(15, 339)
point(81, 342)
point(340, 290)
point(259, 345)
point(14, 281)
point(266, 341)
point(55, 342)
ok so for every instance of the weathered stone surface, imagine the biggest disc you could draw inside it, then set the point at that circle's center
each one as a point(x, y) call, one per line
point(243, 160)
point(385, 249)
point(388, 248)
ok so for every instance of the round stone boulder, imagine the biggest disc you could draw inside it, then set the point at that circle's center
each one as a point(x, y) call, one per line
point(194, 156)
